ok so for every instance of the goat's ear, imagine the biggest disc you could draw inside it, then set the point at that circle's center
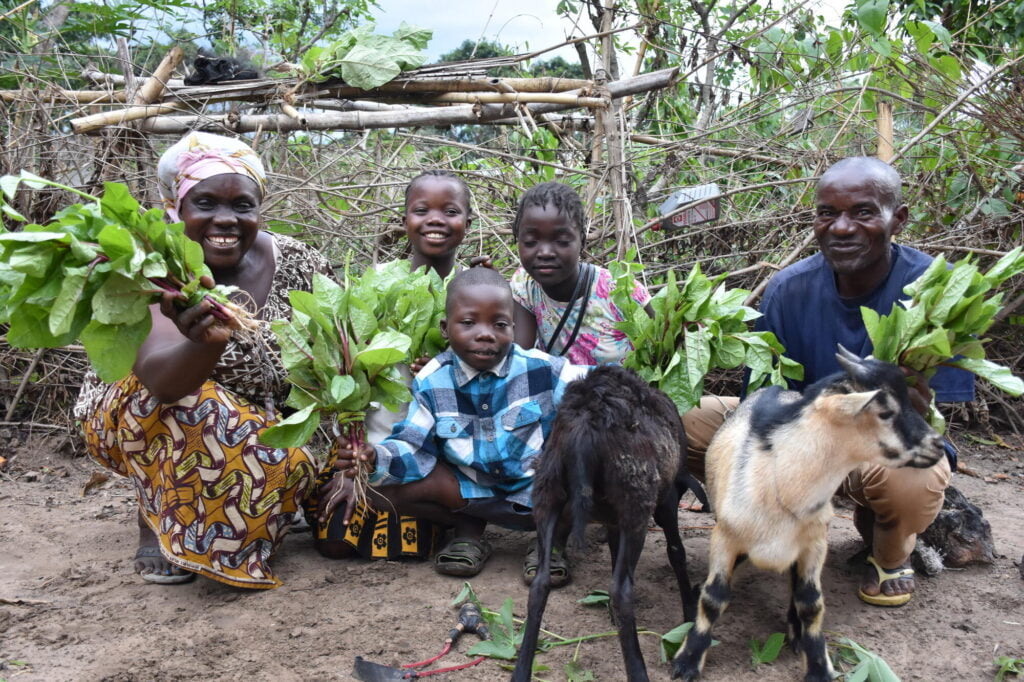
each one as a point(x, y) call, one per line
point(852, 404)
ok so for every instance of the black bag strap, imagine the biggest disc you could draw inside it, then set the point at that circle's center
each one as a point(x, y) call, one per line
point(584, 284)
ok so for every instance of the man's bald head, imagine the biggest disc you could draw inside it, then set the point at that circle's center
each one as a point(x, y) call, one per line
point(885, 179)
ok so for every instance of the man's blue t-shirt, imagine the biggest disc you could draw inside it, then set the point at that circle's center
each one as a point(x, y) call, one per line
point(803, 308)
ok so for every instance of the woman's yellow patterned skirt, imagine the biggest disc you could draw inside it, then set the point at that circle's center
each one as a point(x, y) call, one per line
point(219, 501)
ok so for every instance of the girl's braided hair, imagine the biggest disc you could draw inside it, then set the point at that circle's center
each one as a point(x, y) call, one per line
point(563, 197)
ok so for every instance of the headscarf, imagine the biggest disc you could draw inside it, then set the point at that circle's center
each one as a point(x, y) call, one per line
point(199, 156)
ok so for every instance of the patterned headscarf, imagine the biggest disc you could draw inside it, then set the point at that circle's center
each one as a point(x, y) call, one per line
point(198, 156)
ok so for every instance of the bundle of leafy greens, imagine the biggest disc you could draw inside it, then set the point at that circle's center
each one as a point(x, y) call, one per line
point(948, 311)
point(92, 272)
point(698, 325)
point(344, 343)
point(366, 60)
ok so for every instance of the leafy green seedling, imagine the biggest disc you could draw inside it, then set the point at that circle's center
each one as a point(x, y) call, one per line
point(1008, 665)
point(863, 665)
point(698, 325)
point(768, 652)
point(92, 272)
point(948, 311)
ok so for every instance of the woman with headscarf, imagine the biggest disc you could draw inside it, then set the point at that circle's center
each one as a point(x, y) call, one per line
point(184, 425)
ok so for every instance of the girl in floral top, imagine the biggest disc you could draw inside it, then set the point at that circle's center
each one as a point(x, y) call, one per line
point(563, 307)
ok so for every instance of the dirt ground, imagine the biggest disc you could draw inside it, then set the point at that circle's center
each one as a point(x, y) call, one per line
point(71, 607)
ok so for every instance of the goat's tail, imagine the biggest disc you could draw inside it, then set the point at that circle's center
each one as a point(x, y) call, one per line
point(582, 472)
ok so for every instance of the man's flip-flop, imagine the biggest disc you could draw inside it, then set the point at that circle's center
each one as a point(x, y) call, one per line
point(884, 575)
point(176, 576)
point(463, 557)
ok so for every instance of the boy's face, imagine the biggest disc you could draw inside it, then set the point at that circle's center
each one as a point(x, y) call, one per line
point(549, 249)
point(479, 325)
point(436, 216)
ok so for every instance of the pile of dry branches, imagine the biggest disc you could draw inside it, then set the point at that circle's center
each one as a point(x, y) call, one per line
point(342, 190)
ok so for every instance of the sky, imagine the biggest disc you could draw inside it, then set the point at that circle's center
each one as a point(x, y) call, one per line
point(523, 24)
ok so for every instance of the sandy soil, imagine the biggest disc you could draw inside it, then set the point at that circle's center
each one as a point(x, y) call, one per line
point(71, 607)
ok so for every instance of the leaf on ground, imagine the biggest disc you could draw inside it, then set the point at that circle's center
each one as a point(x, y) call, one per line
point(574, 672)
point(97, 479)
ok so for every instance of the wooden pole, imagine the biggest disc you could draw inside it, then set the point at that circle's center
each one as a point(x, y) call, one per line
point(885, 130)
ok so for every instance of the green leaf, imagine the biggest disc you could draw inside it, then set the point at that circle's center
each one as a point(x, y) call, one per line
point(414, 35)
point(63, 311)
point(872, 15)
point(997, 375)
point(293, 432)
point(574, 672)
point(368, 67)
point(386, 348)
point(595, 598)
point(120, 300)
point(503, 650)
point(117, 243)
point(672, 640)
point(112, 349)
point(769, 652)
point(342, 387)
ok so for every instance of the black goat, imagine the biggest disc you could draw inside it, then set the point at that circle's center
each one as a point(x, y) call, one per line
point(616, 454)
point(213, 69)
point(772, 469)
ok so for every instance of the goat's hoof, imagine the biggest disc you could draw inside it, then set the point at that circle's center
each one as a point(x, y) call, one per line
point(819, 677)
point(684, 670)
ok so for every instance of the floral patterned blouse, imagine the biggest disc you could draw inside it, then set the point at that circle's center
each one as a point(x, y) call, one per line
point(598, 342)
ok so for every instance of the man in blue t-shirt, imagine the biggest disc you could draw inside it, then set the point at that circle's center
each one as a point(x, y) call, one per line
point(812, 306)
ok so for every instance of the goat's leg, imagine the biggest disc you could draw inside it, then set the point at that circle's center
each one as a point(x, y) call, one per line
point(630, 544)
point(539, 591)
point(714, 598)
point(666, 515)
point(807, 612)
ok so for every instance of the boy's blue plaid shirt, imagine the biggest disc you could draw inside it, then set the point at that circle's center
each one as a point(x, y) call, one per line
point(489, 426)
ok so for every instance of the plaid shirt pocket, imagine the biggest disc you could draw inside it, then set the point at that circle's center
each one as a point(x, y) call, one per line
point(456, 434)
point(524, 437)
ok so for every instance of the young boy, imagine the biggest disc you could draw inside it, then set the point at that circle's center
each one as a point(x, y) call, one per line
point(480, 413)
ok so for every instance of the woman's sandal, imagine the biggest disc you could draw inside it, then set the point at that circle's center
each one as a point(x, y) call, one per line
point(176, 575)
point(559, 566)
point(884, 575)
point(463, 557)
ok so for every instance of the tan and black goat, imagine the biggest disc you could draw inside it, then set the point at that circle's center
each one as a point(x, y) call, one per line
point(771, 472)
point(616, 455)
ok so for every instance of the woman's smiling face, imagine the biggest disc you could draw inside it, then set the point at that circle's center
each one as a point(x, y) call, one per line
point(222, 214)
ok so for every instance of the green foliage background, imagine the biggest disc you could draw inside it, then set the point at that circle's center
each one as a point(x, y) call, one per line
point(767, 96)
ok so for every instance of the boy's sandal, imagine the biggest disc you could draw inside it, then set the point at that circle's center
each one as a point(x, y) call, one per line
point(885, 575)
point(463, 557)
point(559, 566)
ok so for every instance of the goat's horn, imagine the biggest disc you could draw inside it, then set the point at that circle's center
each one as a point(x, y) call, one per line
point(852, 364)
point(847, 354)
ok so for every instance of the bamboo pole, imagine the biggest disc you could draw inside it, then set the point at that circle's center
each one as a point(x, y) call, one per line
point(93, 122)
point(360, 120)
point(573, 100)
point(153, 87)
point(77, 96)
